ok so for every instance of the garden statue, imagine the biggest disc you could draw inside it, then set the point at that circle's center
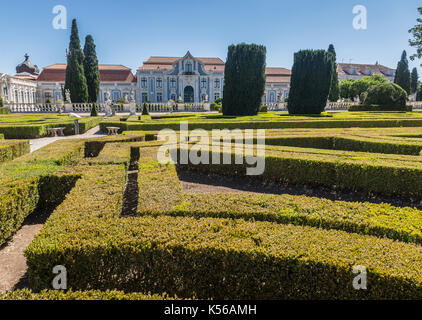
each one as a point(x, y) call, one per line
point(132, 104)
point(67, 94)
point(107, 105)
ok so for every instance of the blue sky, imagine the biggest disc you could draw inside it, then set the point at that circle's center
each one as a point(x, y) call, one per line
point(129, 31)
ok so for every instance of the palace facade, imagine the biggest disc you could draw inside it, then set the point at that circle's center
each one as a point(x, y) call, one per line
point(160, 79)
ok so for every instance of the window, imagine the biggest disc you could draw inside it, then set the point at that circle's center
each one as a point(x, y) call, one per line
point(216, 96)
point(159, 97)
point(5, 91)
point(144, 97)
point(203, 97)
point(159, 83)
point(172, 83)
point(188, 67)
point(116, 95)
point(203, 83)
point(217, 83)
point(173, 97)
point(144, 82)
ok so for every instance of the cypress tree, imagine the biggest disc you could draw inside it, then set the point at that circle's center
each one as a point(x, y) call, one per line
point(311, 80)
point(334, 89)
point(75, 74)
point(414, 82)
point(244, 79)
point(402, 77)
point(92, 74)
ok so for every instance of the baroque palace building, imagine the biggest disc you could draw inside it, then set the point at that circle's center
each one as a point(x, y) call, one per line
point(160, 79)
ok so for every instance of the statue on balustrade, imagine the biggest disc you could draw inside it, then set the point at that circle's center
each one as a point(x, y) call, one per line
point(67, 94)
point(132, 104)
point(107, 105)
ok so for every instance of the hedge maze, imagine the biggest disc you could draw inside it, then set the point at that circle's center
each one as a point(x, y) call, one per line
point(122, 222)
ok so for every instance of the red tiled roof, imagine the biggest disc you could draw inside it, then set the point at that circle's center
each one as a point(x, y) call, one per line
point(363, 69)
point(108, 73)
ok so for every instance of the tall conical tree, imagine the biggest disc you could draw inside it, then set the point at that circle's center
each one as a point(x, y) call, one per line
point(92, 74)
point(75, 75)
point(414, 82)
point(334, 89)
point(402, 77)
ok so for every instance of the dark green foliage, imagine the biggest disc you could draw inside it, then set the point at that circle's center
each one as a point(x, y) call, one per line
point(48, 101)
point(402, 77)
point(311, 80)
point(334, 89)
point(92, 74)
point(416, 41)
point(1, 102)
point(75, 74)
point(386, 94)
point(414, 82)
point(94, 112)
point(145, 111)
point(5, 110)
point(244, 79)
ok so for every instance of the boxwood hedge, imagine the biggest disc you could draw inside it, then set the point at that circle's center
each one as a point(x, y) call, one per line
point(208, 257)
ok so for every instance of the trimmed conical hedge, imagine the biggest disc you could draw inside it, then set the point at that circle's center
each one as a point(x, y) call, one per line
point(244, 79)
point(311, 81)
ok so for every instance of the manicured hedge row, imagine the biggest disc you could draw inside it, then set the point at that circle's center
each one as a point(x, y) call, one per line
point(28, 196)
point(19, 131)
point(5, 110)
point(358, 107)
point(26, 294)
point(23, 131)
point(208, 257)
point(162, 195)
point(347, 143)
point(10, 150)
point(222, 259)
point(364, 123)
point(387, 177)
point(17, 201)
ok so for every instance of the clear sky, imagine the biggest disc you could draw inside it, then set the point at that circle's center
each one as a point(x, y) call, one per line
point(129, 31)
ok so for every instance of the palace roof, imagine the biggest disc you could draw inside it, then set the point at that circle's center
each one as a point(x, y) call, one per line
point(354, 69)
point(108, 73)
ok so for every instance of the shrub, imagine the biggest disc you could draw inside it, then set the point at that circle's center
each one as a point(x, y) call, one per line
point(311, 80)
point(1, 102)
point(94, 112)
point(12, 150)
point(263, 109)
point(244, 79)
point(5, 110)
point(218, 258)
point(386, 95)
point(216, 107)
point(145, 111)
point(26, 294)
